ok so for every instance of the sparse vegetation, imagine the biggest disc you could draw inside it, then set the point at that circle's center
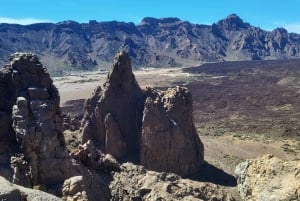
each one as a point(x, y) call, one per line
point(291, 148)
point(40, 187)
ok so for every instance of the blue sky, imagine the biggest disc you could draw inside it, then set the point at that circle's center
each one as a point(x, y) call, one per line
point(267, 14)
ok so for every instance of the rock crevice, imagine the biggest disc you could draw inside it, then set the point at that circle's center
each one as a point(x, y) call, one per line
point(152, 128)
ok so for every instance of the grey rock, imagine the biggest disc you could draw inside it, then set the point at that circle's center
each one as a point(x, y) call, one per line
point(169, 140)
point(136, 183)
point(268, 179)
point(12, 192)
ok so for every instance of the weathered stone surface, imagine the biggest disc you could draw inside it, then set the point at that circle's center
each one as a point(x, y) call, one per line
point(169, 139)
point(93, 158)
point(34, 151)
point(85, 188)
point(32, 146)
point(114, 142)
point(115, 110)
point(268, 178)
point(12, 192)
point(136, 183)
point(153, 128)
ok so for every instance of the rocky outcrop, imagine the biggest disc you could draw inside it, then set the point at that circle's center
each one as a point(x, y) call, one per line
point(169, 139)
point(9, 191)
point(93, 158)
point(269, 178)
point(86, 187)
point(112, 115)
point(136, 183)
point(153, 128)
point(117, 123)
point(32, 124)
point(33, 152)
point(154, 42)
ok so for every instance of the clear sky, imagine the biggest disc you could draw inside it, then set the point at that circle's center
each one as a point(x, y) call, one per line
point(267, 14)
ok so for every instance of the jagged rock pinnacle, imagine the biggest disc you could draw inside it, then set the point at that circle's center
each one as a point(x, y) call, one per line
point(136, 125)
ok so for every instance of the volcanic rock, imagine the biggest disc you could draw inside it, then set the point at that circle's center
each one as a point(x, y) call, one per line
point(32, 146)
point(136, 183)
point(93, 158)
point(153, 128)
point(269, 178)
point(169, 139)
point(86, 187)
point(112, 115)
point(9, 191)
point(31, 124)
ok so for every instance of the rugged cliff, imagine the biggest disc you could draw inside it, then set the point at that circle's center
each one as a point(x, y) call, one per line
point(154, 42)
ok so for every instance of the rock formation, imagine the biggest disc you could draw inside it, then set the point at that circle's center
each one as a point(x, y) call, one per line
point(169, 139)
point(93, 158)
point(12, 192)
point(33, 151)
point(153, 128)
point(112, 114)
point(136, 183)
point(269, 178)
point(32, 123)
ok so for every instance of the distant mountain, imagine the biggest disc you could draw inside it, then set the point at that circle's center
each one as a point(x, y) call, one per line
point(152, 43)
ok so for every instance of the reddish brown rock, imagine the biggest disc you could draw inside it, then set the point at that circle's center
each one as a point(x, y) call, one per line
point(152, 128)
point(112, 115)
point(169, 139)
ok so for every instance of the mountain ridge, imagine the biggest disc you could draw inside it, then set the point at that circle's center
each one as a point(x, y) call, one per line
point(164, 42)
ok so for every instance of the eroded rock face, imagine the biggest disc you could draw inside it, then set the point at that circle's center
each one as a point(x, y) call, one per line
point(112, 115)
point(93, 158)
point(169, 139)
point(34, 150)
point(269, 178)
point(9, 191)
point(153, 128)
point(136, 183)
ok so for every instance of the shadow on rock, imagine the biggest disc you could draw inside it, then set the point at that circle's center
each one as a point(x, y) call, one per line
point(210, 173)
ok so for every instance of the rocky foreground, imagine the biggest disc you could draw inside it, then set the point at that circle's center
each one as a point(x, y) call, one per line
point(269, 178)
point(120, 121)
point(137, 144)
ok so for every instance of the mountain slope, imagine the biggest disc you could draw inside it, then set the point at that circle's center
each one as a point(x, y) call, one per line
point(152, 43)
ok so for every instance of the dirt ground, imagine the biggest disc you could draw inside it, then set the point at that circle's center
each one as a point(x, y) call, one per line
point(81, 86)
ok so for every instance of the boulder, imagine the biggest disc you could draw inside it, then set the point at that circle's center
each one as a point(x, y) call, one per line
point(93, 158)
point(269, 178)
point(85, 188)
point(9, 191)
point(152, 128)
